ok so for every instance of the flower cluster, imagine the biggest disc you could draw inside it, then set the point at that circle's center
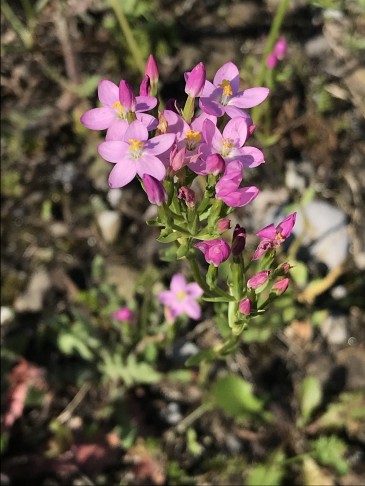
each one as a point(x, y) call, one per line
point(166, 150)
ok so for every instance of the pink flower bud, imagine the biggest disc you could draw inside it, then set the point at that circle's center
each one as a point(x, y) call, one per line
point(215, 251)
point(223, 225)
point(258, 279)
point(123, 314)
point(156, 192)
point(196, 80)
point(145, 87)
point(285, 268)
point(215, 164)
point(126, 96)
point(188, 195)
point(177, 158)
point(280, 286)
point(152, 69)
point(271, 61)
point(238, 240)
point(280, 49)
point(245, 306)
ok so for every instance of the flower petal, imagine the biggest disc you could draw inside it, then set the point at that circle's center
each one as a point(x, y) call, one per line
point(249, 97)
point(286, 225)
point(149, 164)
point(145, 103)
point(211, 106)
point(122, 173)
point(149, 121)
point(234, 112)
point(197, 123)
point(194, 290)
point(229, 72)
point(178, 283)
point(250, 156)
point(161, 143)
point(230, 180)
point(192, 309)
point(113, 151)
point(108, 92)
point(241, 197)
point(117, 131)
point(136, 131)
point(268, 232)
point(236, 129)
point(98, 118)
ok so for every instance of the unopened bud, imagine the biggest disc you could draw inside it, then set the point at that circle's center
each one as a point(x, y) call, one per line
point(215, 164)
point(155, 190)
point(245, 306)
point(223, 225)
point(238, 240)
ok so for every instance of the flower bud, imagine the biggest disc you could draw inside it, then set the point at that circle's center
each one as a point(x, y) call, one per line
point(177, 158)
point(245, 306)
point(152, 69)
point(258, 279)
point(155, 190)
point(238, 240)
point(126, 96)
point(215, 164)
point(195, 81)
point(271, 61)
point(145, 87)
point(188, 195)
point(280, 286)
point(223, 225)
point(280, 49)
point(123, 314)
point(215, 251)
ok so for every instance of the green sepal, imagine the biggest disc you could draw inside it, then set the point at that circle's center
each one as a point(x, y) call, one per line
point(155, 222)
point(182, 251)
point(169, 238)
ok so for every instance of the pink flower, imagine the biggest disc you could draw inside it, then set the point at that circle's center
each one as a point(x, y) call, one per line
point(222, 96)
point(156, 192)
point(245, 306)
point(280, 48)
point(280, 286)
point(123, 314)
point(195, 81)
point(228, 187)
point(215, 164)
point(271, 61)
point(273, 237)
point(113, 111)
point(181, 298)
point(135, 155)
point(258, 279)
point(152, 69)
point(228, 144)
point(215, 251)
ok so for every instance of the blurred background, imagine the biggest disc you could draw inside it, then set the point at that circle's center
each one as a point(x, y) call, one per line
point(90, 398)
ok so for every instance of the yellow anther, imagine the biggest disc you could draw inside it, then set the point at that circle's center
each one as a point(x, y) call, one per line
point(181, 295)
point(227, 145)
point(119, 107)
point(279, 236)
point(192, 136)
point(135, 145)
point(227, 89)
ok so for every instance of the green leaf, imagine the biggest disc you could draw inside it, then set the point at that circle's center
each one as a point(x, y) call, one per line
point(329, 451)
point(205, 355)
point(234, 395)
point(168, 238)
point(269, 474)
point(310, 398)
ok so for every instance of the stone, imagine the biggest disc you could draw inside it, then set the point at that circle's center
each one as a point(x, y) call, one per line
point(6, 315)
point(334, 329)
point(109, 223)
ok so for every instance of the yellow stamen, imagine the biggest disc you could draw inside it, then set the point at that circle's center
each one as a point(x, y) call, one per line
point(227, 145)
point(181, 295)
point(119, 107)
point(135, 147)
point(279, 236)
point(192, 136)
point(227, 89)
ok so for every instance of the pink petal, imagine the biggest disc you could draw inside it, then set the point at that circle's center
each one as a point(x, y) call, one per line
point(113, 151)
point(145, 103)
point(241, 197)
point(166, 297)
point(98, 118)
point(149, 164)
point(194, 290)
point(235, 112)
point(268, 232)
point(136, 131)
point(149, 121)
point(231, 179)
point(211, 132)
point(178, 283)
point(197, 123)
point(117, 131)
point(249, 97)
point(122, 173)
point(250, 156)
point(228, 71)
point(192, 309)
point(108, 92)
point(211, 106)
point(236, 129)
point(286, 225)
point(208, 90)
point(161, 143)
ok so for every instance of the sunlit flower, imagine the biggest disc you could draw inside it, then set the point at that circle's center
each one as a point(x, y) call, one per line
point(222, 96)
point(228, 187)
point(135, 155)
point(272, 236)
point(181, 298)
point(215, 251)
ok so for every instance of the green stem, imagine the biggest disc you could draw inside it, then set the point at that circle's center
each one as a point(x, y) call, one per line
point(128, 34)
point(196, 273)
point(23, 33)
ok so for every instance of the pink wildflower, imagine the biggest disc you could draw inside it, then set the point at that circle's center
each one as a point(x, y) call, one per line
point(228, 144)
point(222, 96)
point(123, 314)
point(215, 251)
point(280, 286)
point(215, 164)
point(245, 306)
point(135, 155)
point(273, 237)
point(228, 187)
point(113, 111)
point(278, 53)
point(258, 279)
point(152, 69)
point(181, 298)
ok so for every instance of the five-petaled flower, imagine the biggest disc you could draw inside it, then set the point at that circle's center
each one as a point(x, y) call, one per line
point(222, 96)
point(228, 187)
point(273, 237)
point(135, 154)
point(181, 298)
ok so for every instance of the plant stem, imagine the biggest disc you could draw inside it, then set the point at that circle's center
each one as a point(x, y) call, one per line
point(193, 416)
point(128, 34)
point(23, 33)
